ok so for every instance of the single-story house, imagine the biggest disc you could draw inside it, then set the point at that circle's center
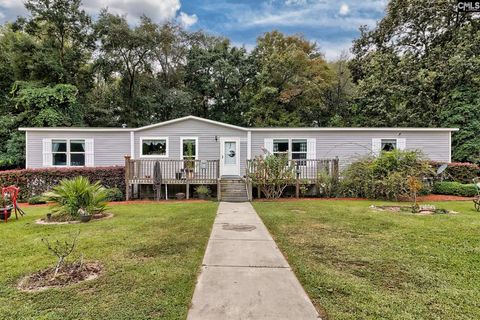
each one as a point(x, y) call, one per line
point(226, 146)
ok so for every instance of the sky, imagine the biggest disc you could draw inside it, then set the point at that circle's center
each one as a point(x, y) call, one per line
point(331, 24)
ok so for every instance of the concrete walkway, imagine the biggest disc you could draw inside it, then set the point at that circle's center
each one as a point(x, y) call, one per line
point(244, 275)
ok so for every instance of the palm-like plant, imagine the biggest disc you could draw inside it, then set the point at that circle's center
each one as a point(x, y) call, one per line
point(78, 195)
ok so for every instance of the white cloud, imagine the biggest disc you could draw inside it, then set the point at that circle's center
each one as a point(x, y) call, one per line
point(10, 9)
point(158, 11)
point(295, 2)
point(349, 15)
point(344, 9)
point(333, 49)
point(302, 18)
point(187, 20)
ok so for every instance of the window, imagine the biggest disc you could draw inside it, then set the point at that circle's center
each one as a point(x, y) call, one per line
point(189, 148)
point(299, 149)
point(280, 147)
point(389, 144)
point(154, 147)
point(59, 152)
point(68, 153)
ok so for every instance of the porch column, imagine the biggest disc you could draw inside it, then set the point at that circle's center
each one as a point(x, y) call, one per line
point(127, 177)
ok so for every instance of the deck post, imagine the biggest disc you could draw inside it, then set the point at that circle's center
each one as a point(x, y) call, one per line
point(250, 189)
point(336, 169)
point(219, 184)
point(188, 189)
point(127, 177)
point(297, 181)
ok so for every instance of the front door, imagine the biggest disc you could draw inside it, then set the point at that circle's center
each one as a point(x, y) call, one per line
point(229, 156)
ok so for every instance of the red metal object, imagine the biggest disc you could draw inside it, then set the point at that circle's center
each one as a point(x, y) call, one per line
point(12, 193)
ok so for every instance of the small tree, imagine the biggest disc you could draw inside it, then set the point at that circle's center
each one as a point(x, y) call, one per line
point(272, 175)
point(414, 185)
point(61, 249)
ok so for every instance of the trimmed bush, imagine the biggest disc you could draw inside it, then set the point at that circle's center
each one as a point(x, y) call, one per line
point(34, 182)
point(114, 194)
point(454, 188)
point(36, 200)
point(385, 176)
point(462, 172)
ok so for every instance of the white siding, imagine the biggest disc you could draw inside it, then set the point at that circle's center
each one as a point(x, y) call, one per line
point(109, 148)
point(208, 147)
point(350, 145)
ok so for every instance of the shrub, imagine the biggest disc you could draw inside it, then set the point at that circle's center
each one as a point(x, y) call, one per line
point(326, 184)
point(272, 175)
point(34, 182)
point(204, 190)
point(462, 172)
point(454, 188)
point(36, 200)
point(73, 196)
point(114, 194)
point(385, 176)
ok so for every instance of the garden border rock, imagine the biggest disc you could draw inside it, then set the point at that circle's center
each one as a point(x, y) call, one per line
point(41, 221)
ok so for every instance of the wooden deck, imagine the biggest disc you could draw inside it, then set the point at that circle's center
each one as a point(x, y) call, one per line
point(173, 172)
point(194, 172)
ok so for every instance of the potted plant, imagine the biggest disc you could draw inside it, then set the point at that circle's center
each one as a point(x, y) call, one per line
point(180, 195)
point(83, 215)
point(203, 192)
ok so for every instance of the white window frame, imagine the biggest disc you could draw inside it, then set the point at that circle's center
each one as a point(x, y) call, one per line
point(153, 156)
point(297, 152)
point(289, 142)
point(181, 146)
point(290, 147)
point(68, 152)
point(399, 146)
point(396, 143)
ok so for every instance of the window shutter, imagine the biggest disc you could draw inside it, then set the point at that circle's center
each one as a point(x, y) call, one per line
point(89, 154)
point(47, 153)
point(376, 146)
point(311, 149)
point(268, 145)
point(401, 143)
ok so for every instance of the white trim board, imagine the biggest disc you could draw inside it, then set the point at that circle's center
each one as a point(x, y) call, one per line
point(72, 129)
point(132, 145)
point(26, 150)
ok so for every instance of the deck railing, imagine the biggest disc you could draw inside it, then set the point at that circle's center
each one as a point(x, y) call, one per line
point(304, 171)
point(140, 171)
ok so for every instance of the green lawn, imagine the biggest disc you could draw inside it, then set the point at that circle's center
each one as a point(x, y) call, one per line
point(152, 254)
point(356, 263)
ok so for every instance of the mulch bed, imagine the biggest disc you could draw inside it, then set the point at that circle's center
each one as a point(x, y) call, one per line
point(68, 274)
point(114, 203)
point(442, 197)
point(99, 216)
point(428, 198)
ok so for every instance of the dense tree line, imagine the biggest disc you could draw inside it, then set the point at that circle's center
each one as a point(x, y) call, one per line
point(419, 67)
